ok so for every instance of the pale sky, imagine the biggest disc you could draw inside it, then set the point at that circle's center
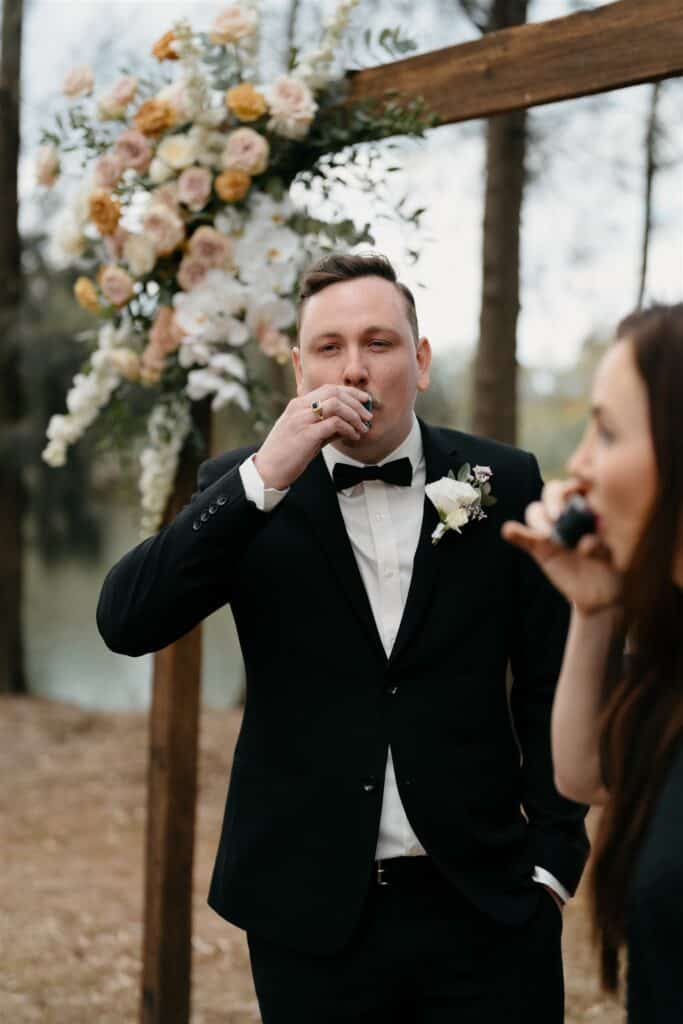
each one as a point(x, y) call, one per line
point(582, 214)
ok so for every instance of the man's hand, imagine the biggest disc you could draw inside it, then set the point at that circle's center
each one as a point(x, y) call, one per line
point(300, 433)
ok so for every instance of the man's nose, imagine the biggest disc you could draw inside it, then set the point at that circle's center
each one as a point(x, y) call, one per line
point(355, 370)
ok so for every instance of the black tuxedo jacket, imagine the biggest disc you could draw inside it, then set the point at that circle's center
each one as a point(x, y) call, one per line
point(324, 702)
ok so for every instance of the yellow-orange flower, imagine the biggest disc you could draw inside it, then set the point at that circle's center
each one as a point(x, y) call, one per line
point(104, 211)
point(86, 295)
point(154, 117)
point(245, 102)
point(232, 185)
point(164, 49)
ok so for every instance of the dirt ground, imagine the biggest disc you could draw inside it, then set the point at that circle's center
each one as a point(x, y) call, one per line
point(72, 809)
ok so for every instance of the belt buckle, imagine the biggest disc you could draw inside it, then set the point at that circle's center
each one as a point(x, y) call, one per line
point(380, 874)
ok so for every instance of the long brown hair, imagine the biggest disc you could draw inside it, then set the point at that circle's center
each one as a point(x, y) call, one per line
point(642, 718)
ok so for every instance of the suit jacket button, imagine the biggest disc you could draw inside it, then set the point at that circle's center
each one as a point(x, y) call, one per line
point(221, 499)
point(196, 524)
point(392, 689)
point(370, 784)
point(204, 516)
point(213, 509)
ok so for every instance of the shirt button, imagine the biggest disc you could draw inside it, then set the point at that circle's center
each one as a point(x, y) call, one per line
point(370, 784)
point(379, 516)
point(389, 574)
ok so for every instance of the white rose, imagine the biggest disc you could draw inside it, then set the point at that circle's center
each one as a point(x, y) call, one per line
point(234, 23)
point(139, 254)
point(159, 172)
point(450, 495)
point(67, 242)
point(176, 96)
point(457, 518)
point(292, 107)
point(178, 151)
point(109, 108)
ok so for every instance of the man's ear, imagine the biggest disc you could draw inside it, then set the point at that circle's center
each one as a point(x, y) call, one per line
point(424, 361)
point(298, 374)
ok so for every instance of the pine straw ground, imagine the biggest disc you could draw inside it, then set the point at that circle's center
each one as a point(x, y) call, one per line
point(72, 810)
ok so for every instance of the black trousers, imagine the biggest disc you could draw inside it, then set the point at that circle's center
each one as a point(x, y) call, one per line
point(422, 954)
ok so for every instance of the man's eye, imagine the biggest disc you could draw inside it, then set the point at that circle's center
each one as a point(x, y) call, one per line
point(605, 434)
point(380, 343)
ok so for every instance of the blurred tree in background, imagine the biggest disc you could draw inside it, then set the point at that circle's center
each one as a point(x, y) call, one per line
point(12, 503)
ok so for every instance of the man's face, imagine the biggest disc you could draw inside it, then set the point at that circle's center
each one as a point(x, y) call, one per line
point(357, 333)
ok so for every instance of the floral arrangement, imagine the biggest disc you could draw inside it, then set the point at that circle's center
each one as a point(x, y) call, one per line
point(462, 499)
point(183, 225)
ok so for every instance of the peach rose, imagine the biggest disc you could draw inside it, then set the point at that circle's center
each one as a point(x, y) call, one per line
point(47, 165)
point(153, 117)
point(194, 187)
point(231, 186)
point(126, 362)
point(164, 228)
point(165, 48)
point(274, 344)
point(192, 272)
point(292, 107)
point(133, 150)
point(245, 102)
point(234, 23)
point(124, 90)
point(86, 295)
point(108, 170)
point(104, 210)
point(115, 284)
point(165, 335)
point(78, 82)
point(211, 246)
point(246, 150)
point(167, 195)
point(139, 254)
point(115, 243)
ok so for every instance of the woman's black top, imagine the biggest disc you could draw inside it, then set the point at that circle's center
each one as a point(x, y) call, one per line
point(655, 912)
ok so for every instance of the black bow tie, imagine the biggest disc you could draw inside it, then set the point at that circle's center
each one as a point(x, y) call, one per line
point(399, 472)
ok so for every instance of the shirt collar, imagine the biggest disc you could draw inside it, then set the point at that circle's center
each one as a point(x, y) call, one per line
point(411, 448)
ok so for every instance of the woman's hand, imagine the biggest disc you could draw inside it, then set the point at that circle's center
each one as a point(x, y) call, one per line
point(584, 574)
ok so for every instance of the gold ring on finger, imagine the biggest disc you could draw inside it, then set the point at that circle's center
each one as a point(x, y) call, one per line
point(318, 410)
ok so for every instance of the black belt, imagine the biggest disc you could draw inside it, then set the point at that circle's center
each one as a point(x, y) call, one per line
point(405, 870)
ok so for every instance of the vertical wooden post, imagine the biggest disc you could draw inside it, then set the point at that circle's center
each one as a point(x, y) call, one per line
point(171, 805)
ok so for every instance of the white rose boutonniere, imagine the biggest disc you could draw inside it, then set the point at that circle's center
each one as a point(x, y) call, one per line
point(460, 499)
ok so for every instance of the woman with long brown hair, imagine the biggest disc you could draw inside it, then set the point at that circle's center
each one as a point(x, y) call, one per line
point(617, 728)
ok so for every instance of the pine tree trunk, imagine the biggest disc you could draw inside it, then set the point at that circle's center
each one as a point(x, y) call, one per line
point(11, 489)
point(495, 375)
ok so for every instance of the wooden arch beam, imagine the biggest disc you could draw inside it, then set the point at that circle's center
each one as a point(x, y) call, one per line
point(621, 44)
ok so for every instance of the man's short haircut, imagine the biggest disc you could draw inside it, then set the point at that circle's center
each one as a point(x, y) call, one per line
point(336, 267)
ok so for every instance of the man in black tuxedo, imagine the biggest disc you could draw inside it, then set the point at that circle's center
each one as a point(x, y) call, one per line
point(393, 842)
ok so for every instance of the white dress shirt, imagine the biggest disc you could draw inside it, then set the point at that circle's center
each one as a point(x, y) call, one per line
point(383, 523)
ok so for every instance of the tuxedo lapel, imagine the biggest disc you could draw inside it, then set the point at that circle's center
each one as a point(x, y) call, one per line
point(315, 496)
point(439, 460)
